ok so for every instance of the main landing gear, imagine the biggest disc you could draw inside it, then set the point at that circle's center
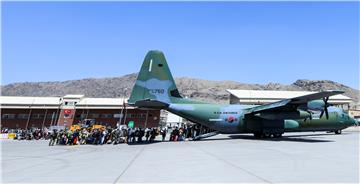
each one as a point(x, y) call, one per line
point(335, 131)
point(267, 135)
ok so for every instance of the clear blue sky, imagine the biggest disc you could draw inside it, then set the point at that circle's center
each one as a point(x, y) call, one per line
point(256, 42)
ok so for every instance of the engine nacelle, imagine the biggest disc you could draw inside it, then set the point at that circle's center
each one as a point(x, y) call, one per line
point(314, 105)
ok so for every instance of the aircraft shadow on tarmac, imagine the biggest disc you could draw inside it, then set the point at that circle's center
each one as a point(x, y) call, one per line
point(143, 143)
point(307, 138)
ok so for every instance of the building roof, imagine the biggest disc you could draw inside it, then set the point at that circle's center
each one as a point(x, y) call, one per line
point(22, 100)
point(56, 102)
point(267, 96)
point(92, 103)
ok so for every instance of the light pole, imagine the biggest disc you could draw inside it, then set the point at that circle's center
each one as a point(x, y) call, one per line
point(44, 119)
point(57, 115)
point(30, 110)
point(123, 107)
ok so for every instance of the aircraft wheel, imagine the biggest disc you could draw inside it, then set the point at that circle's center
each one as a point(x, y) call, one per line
point(257, 135)
point(338, 132)
point(266, 135)
point(277, 135)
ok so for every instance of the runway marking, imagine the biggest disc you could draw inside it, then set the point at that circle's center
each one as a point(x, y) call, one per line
point(130, 163)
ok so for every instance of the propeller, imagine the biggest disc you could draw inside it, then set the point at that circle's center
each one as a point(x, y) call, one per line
point(326, 105)
point(310, 117)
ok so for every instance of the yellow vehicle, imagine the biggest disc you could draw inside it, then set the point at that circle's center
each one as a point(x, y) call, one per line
point(98, 127)
point(75, 127)
point(11, 135)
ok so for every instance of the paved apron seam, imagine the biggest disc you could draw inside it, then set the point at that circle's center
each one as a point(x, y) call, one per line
point(130, 163)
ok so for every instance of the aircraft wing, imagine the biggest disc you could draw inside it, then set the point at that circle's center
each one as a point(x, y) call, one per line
point(292, 104)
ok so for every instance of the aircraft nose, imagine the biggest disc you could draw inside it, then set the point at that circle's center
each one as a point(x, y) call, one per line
point(353, 120)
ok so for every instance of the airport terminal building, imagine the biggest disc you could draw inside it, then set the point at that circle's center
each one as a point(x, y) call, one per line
point(27, 112)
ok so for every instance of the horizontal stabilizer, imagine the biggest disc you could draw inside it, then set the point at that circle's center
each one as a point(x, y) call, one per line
point(152, 104)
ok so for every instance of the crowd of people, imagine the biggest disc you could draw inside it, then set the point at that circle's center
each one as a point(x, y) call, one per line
point(187, 132)
point(29, 134)
point(104, 136)
point(108, 135)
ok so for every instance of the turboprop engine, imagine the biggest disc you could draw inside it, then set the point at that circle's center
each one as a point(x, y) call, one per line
point(317, 105)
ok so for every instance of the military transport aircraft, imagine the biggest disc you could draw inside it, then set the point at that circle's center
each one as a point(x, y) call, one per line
point(155, 89)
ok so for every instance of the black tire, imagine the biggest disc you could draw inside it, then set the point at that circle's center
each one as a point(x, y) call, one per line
point(338, 132)
point(257, 135)
point(277, 135)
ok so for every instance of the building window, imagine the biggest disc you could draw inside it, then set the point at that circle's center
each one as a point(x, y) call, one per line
point(35, 116)
point(93, 115)
point(106, 116)
point(67, 116)
point(8, 116)
point(23, 116)
point(117, 115)
point(51, 116)
point(69, 103)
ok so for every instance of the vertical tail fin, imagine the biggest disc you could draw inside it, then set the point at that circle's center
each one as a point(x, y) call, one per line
point(154, 81)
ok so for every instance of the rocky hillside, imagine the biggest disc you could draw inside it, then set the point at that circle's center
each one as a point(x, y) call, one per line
point(206, 90)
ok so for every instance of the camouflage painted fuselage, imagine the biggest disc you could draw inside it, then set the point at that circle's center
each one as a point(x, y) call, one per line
point(232, 119)
point(155, 88)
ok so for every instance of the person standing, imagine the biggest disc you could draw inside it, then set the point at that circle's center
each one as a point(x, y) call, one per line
point(147, 134)
point(53, 139)
point(163, 134)
point(141, 135)
point(76, 136)
point(126, 135)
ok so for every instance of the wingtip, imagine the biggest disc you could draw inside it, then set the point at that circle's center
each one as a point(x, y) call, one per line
point(335, 91)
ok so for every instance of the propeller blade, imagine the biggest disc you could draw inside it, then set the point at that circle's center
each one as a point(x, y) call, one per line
point(310, 117)
point(326, 113)
point(321, 114)
point(326, 105)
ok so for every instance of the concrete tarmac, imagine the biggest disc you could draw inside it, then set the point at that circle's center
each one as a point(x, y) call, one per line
point(297, 157)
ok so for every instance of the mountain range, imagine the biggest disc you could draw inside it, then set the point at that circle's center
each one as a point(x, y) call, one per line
point(205, 90)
